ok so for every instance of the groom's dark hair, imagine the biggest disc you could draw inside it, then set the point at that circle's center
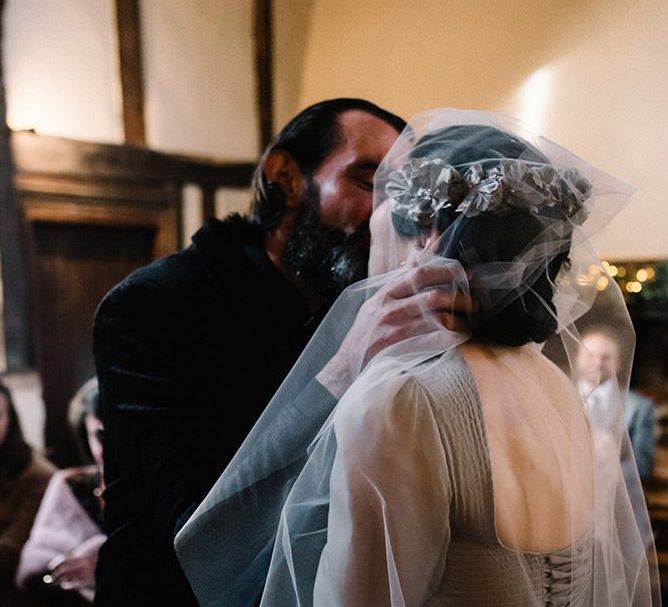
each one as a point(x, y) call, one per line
point(309, 138)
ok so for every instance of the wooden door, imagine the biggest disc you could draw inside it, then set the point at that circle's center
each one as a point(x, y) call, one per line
point(77, 253)
point(74, 265)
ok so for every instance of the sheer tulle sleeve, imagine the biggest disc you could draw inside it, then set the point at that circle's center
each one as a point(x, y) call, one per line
point(388, 528)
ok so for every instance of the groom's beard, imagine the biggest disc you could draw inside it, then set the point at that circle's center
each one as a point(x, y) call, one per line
point(325, 260)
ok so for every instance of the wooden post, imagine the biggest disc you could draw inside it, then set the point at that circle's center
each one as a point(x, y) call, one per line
point(132, 79)
point(208, 203)
point(14, 282)
point(264, 76)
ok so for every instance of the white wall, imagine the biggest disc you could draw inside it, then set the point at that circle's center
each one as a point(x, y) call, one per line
point(61, 73)
point(292, 20)
point(590, 74)
point(26, 390)
point(200, 77)
point(60, 68)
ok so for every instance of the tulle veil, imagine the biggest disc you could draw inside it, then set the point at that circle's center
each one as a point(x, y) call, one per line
point(340, 499)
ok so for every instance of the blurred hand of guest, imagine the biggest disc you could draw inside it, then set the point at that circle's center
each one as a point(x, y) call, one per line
point(75, 572)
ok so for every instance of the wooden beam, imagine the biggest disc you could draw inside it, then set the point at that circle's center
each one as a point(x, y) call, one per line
point(132, 79)
point(12, 251)
point(85, 161)
point(264, 73)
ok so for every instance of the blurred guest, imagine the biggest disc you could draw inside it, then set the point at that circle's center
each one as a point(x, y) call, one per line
point(597, 362)
point(24, 476)
point(58, 562)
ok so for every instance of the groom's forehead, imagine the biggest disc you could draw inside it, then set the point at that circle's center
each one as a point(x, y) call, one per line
point(364, 139)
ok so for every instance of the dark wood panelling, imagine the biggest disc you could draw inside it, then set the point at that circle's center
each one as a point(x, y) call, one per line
point(208, 203)
point(650, 367)
point(79, 248)
point(161, 220)
point(67, 159)
point(74, 265)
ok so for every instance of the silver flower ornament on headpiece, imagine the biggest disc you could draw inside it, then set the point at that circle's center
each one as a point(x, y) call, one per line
point(423, 187)
point(426, 186)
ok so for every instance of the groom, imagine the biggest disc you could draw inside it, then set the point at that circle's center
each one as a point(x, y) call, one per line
point(190, 349)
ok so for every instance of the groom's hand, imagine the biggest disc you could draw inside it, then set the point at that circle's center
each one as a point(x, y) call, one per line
point(412, 304)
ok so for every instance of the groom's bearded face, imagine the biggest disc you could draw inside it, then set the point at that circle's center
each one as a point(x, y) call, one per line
point(326, 260)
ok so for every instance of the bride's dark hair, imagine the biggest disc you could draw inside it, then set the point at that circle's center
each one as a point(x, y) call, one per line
point(523, 314)
point(528, 313)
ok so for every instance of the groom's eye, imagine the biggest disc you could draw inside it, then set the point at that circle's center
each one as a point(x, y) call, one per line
point(364, 179)
point(365, 184)
point(361, 173)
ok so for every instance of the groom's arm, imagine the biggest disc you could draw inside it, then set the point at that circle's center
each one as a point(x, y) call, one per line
point(403, 308)
point(157, 466)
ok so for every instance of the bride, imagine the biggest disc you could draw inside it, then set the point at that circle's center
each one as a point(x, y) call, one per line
point(459, 467)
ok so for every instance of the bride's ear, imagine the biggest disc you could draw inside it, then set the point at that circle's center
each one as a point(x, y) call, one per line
point(280, 168)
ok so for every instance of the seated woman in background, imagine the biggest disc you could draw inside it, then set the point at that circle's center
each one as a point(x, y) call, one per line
point(459, 468)
point(24, 475)
point(58, 562)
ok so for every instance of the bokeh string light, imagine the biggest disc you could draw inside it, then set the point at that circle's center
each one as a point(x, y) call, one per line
point(641, 282)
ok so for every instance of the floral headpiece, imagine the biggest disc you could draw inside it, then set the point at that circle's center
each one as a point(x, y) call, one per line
point(426, 186)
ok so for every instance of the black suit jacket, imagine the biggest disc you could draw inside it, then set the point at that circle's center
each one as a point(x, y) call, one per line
point(188, 350)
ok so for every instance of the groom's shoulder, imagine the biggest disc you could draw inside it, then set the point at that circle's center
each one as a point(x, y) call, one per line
point(164, 279)
point(188, 281)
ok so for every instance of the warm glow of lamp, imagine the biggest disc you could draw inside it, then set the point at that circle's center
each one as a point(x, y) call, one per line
point(641, 275)
point(27, 108)
point(58, 83)
point(533, 98)
point(26, 112)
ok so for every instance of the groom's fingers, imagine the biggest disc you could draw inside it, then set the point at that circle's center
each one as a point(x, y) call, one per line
point(414, 328)
point(397, 333)
point(422, 277)
point(435, 300)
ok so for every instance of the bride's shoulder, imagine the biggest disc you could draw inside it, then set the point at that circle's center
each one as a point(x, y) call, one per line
point(442, 377)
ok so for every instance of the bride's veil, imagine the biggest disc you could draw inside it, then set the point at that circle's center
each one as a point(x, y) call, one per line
point(348, 501)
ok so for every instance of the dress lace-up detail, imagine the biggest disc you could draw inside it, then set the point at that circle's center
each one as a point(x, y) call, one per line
point(566, 575)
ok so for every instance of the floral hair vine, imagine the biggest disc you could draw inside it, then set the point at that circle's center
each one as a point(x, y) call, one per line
point(423, 187)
